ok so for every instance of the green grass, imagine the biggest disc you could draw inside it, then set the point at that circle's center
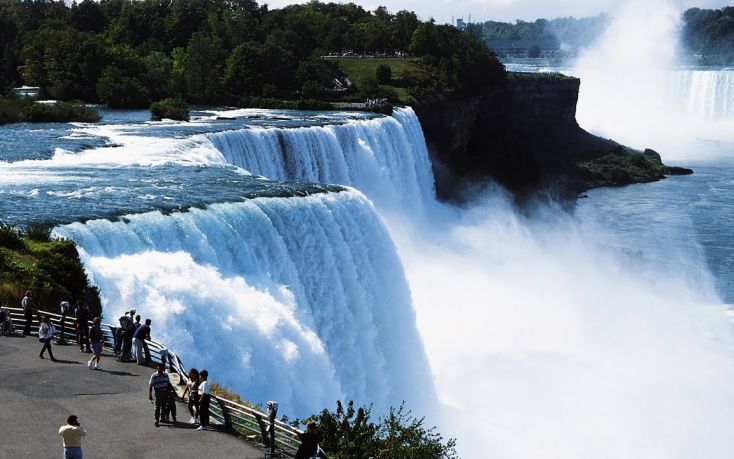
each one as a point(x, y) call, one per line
point(360, 69)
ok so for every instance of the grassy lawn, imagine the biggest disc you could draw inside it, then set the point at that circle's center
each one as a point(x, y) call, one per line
point(358, 69)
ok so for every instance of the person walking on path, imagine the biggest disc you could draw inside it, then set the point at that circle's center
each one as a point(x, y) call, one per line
point(83, 316)
point(96, 335)
point(72, 434)
point(45, 333)
point(159, 382)
point(141, 334)
point(192, 389)
point(204, 399)
point(29, 308)
point(309, 442)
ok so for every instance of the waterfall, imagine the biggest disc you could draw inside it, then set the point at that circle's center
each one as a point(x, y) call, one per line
point(302, 300)
point(707, 94)
point(386, 157)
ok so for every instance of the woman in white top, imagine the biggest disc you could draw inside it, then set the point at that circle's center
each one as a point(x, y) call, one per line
point(45, 332)
point(204, 399)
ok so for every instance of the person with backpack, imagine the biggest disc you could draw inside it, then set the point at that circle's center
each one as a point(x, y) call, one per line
point(28, 304)
point(45, 333)
point(83, 316)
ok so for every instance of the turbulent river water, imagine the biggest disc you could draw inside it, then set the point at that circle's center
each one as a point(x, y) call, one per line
point(303, 257)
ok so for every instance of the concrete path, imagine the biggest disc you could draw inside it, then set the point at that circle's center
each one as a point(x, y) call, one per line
point(36, 397)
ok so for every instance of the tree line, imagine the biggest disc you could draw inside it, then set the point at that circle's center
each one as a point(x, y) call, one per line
point(127, 53)
point(709, 35)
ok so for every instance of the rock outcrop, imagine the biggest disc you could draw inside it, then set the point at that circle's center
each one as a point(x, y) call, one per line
point(524, 135)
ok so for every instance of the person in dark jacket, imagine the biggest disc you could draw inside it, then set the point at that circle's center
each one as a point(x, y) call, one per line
point(309, 442)
point(83, 316)
point(29, 308)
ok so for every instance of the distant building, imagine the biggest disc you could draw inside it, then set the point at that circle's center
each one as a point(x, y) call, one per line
point(460, 24)
point(27, 91)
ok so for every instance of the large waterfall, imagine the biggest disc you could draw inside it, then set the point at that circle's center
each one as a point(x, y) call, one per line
point(708, 94)
point(385, 158)
point(302, 300)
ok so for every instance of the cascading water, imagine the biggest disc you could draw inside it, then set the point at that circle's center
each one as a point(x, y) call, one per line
point(385, 158)
point(302, 300)
point(706, 94)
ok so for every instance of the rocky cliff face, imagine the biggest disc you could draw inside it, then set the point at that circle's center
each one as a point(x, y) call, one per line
point(524, 134)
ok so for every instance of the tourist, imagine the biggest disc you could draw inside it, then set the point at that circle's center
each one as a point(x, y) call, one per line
point(192, 389)
point(29, 308)
point(159, 382)
point(83, 316)
point(142, 333)
point(97, 337)
point(169, 408)
point(45, 333)
point(136, 325)
point(309, 442)
point(6, 321)
point(72, 434)
point(204, 399)
point(127, 338)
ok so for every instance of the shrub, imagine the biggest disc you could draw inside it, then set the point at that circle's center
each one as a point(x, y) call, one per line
point(60, 112)
point(39, 232)
point(383, 74)
point(9, 237)
point(348, 433)
point(10, 110)
point(175, 109)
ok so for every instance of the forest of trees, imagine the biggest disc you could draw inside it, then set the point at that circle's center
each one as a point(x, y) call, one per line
point(127, 53)
point(572, 33)
point(709, 35)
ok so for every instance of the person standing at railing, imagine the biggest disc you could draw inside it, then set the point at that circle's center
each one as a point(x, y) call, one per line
point(29, 308)
point(83, 316)
point(309, 442)
point(142, 333)
point(204, 399)
point(159, 382)
point(64, 308)
point(127, 338)
point(45, 333)
point(192, 389)
point(97, 337)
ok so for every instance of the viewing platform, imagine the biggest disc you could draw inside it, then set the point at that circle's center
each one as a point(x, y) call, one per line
point(37, 395)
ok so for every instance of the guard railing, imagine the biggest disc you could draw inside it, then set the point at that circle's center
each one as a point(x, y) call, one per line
point(234, 417)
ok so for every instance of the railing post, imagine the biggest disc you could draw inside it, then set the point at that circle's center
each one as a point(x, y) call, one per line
point(225, 413)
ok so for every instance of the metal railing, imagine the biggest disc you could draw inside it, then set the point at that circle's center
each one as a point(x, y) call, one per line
point(234, 417)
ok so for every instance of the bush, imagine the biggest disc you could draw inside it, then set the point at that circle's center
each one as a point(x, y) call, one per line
point(383, 74)
point(39, 232)
point(10, 110)
point(175, 109)
point(349, 433)
point(60, 112)
point(9, 237)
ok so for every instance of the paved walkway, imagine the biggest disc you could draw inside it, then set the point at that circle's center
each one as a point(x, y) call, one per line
point(36, 397)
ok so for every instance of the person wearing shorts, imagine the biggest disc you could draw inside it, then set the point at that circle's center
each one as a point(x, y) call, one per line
point(97, 338)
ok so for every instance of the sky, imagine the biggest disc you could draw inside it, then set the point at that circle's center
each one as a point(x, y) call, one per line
point(504, 10)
